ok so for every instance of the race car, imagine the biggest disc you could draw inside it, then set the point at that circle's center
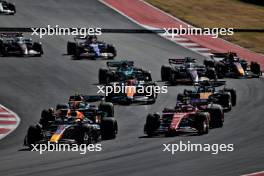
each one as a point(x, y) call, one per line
point(132, 91)
point(14, 44)
point(75, 122)
point(121, 71)
point(90, 47)
point(65, 130)
point(184, 119)
point(7, 8)
point(185, 71)
point(230, 65)
point(207, 92)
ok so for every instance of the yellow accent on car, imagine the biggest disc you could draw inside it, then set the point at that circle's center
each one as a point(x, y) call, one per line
point(55, 137)
point(131, 91)
point(205, 95)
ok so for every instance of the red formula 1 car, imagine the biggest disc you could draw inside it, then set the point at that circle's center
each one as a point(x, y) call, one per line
point(184, 119)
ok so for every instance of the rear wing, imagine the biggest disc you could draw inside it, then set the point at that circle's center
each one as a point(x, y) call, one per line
point(210, 83)
point(181, 61)
point(86, 98)
point(224, 55)
point(10, 34)
point(119, 63)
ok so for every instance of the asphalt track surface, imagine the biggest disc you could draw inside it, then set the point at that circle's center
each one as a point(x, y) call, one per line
point(30, 84)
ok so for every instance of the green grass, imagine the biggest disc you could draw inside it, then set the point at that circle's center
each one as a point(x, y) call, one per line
point(220, 13)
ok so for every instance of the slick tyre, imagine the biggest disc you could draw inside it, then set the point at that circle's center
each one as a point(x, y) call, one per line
point(71, 48)
point(216, 116)
point(165, 72)
point(103, 76)
point(108, 108)
point(33, 135)
point(111, 49)
point(202, 123)
point(38, 47)
point(233, 95)
point(152, 123)
point(109, 128)
point(255, 68)
point(211, 73)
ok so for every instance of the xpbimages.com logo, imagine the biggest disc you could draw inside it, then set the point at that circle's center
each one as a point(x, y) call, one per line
point(57, 147)
point(59, 31)
point(190, 30)
point(191, 147)
point(148, 90)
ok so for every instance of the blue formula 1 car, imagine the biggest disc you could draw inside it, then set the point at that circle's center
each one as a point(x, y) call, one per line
point(90, 47)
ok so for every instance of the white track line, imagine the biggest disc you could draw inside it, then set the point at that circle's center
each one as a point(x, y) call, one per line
point(255, 173)
point(153, 28)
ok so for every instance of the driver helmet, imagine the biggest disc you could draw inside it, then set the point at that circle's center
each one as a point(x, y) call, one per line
point(124, 65)
point(93, 38)
point(131, 82)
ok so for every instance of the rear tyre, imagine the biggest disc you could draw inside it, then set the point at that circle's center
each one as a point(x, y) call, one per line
point(202, 123)
point(38, 48)
point(211, 73)
point(111, 49)
point(109, 128)
point(108, 108)
point(71, 48)
point(165, 72)
point(3, 49)
point(12, 8)
point(33, 135)
point(255, 68)
point(233, 95)
point(209, 63)
point(216, 116)
point(103, 76)
point(152, 123)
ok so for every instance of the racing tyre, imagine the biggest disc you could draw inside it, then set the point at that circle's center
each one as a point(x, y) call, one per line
point(33, 135)
point(221, 70)
point(153, 98)
point(233, 95)
point(71, 48)
point(225, 101)
point(216, 115)
point(152, 123)
point(103, 76)
point(255, 68)
point(38, 47)
point(111, 49)
point(3, 49)
point(202, 123)
point(211, 73)
point(165, 72)
point(109, 128)
point(209, 63)
point(12, 8)
point(78, 52)
point(108, 108)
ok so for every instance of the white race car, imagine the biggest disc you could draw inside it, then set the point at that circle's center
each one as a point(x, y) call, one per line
point(7, 8)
